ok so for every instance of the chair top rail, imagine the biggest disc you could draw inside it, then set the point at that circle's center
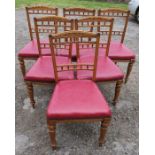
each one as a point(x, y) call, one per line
point(52, 18)
point(79, 9)
point(74, 34)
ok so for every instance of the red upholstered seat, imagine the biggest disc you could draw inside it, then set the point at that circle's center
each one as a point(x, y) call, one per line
point(76, 99)
point(42, 70)
point(117, 51)
point(31, 50)
point(106, 69)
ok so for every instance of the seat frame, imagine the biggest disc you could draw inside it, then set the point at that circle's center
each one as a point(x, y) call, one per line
point(114, 12)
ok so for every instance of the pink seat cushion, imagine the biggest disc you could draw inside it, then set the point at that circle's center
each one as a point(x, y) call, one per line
point(31, 50)
point(42, 70)
point(106, 69)
point(77, 99)
point(117, 51)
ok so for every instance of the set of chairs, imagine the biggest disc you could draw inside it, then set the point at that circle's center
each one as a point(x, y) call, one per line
point(75, 53)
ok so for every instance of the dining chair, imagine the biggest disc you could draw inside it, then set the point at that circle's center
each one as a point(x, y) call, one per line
point(107, 71)
point(30, 50)
point(42, 70)
point(76, 101)
point(118, 52)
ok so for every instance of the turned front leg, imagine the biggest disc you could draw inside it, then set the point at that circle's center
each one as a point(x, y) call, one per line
point(117, 91)
point(30, 93)
point(52, 133)
point(130, 65)
point(22, 65)
point(104, 126)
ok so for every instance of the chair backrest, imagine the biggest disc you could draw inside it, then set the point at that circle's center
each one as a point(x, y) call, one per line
point(120, 18)
point(50, 24)
point(78, 12)
point(81, 39)
point(100, 25)
point(35, 11)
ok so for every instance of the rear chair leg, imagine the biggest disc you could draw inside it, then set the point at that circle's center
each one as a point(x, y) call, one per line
point(117, 91)
point(52, 133)
point(104, 126)
point(130, 65)
point(22, 65)
point(30, 93)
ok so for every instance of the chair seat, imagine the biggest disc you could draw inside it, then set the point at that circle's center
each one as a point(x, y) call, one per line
point(117, 51)
point(42, 70)
point(30, 50)
point(106, 69)
point(77, 99)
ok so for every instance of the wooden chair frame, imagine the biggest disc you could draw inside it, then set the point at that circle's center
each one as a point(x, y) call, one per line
point(99, 22)
point(43, 10)
point(113, 12)
point(35, 10)
point(54, 40)
point(50, 24)
point(45, 22)
point(76, 37)
point(78, 12)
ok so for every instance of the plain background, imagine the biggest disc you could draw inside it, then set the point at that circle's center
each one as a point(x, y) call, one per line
point(146, 74)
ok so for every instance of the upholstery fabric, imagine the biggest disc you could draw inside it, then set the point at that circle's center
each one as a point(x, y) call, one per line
point(42, 70)
point(77, 99)
point(106, 69)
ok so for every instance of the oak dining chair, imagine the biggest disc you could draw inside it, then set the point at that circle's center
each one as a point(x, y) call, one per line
point(42, 70)
point(107, 71)
point(30, 50)
point(118, 51)
point(76, 101)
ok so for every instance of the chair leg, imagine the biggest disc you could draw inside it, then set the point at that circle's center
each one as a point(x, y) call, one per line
point(104, 126)
point(117, 91)
point(130, 65)
point(30, 93)
point(22, 65)
point(52, 133)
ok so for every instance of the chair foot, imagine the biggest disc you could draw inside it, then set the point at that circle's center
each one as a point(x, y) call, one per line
point(115, 62)
point(117, 91)
point(52, 133)
point(104, 126)
point(130, 65)
point(22, 65)
point(30, 93)
point(100, 144)
point(54, 147)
